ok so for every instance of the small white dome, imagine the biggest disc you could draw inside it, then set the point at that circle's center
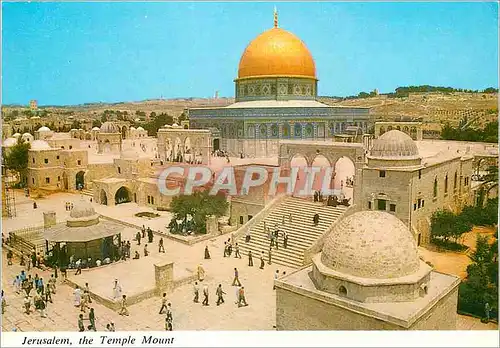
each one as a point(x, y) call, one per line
point(35, 117)
point(27, 134)
point(96, 128)
point(40, 145)
point(175, 125)
point(82, 209)
point(9, 142)
point(44, 129)
point(140, 128)
point(132, 128)
point(109, 127)
point(16, 135)
point(167, 126)
point(371, 244)
point(394, 144)
point(73, 130)
point(27, 137)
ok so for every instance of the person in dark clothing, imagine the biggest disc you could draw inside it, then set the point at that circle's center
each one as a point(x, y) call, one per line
point(138, 238)
point(219, 292)
point(161, 248)
point(250, 259)
point(316, 219)
point(92, 320)
point(150, 235)
point(207, 253)
point(81, 327)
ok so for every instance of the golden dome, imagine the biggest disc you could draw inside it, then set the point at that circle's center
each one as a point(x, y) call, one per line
point(277, 52)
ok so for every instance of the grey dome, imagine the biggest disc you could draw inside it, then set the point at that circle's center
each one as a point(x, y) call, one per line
point(394, 144)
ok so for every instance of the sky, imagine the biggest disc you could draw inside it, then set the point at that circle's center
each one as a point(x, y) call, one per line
point(74, 53)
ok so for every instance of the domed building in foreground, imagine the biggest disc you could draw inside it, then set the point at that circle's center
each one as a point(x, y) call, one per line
point(368, 276)
point(276, 98)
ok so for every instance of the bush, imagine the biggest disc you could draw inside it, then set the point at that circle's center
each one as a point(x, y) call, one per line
point(448, 245)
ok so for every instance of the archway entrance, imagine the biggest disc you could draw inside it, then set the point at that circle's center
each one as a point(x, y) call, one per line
point(344, 177)
point(103, 198)
point(216, 145)
point(79, 180)
point(124, 132)
point(123, 195)
point(299, 162)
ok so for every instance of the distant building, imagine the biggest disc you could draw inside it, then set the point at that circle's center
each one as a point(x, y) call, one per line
point(33, 104)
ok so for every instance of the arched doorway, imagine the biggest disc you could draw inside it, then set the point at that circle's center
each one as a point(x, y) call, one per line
point(344, 177)
point(216, 145)
point(103, 198)
point(80, 180)
point(321, 164)
point(299, 164)
point(123, 195)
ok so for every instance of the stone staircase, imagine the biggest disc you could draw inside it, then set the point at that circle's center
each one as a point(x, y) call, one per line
point(87, 192)
point(302, 234)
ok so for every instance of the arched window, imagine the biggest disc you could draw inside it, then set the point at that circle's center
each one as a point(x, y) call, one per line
point(389, 128)
point(309, 131)
point(263, 131)
point(435, 188)
point(381, 131)
point(286, 130)
point(446, 184)
point(342, 290)
point(298, 130)
point(274, 130)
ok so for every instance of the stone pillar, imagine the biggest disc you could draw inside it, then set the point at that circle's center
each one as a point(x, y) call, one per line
point(49, 219)
point(212, 225)
point(164, 277)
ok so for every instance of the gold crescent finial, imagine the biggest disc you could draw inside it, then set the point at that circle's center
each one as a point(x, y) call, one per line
point(275, 17)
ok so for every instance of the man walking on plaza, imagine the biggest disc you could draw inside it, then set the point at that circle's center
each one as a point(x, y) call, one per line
point(161, 249)
point(163, 303)
point(146, 252)
point(138, 238)
point(117, 290)
point(205, 295)
point(237, 251)
point(262, 260)
point(241, 297)
point(169, 318)
point(285, 240)
point(196, 292)
point(123, 306)
point(219, 292)
point(87, 289)
point(250, 259)
point(81, 327)
point(236, 281)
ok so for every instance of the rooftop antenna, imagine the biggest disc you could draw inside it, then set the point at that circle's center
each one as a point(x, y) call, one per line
point(275, 17)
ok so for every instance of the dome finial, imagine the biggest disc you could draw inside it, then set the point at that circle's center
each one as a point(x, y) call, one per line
point(275, 17)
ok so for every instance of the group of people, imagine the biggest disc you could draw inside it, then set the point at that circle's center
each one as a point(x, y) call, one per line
point(333, 200)
point(169, 319)
point(273, 235)
point(228, 249)
point(83, 300)
point(68, 206)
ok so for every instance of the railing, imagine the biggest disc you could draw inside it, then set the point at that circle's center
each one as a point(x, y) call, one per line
point(240, 232)
point(318, 245)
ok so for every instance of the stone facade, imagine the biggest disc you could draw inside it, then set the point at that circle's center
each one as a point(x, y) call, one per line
point(186, 144)
point(413, 129)
point(275, 88)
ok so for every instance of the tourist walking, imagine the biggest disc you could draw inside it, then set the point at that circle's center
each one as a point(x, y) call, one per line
point(163, 303)
point(48, 292)
point(285, 240)
point(42, 307)
point(201, 273)
point(17, 284)
point(262, 260)
point(269, 256)
point(241, 297)
point(150, 235)
point(236, 281)
point(316, 219)
point(205, 296)
point(78, 267)
point(225, 249)
point(161, 248)
point(219, 292)
point(196, 290)
point(146, 252)
point(250, 259)
point(169, 318)
point(123, 306)
point(117, 290)
point(81, 327)
point(138, 238)
point(92, 320)
point(22, 262)
point(207, 253)
point(78, 296)
point(86, 289)
point(237, 251)
point(27, 304)
point(52, 282)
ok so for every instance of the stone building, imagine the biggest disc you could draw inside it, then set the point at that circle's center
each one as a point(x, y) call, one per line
point(276, 98)
point(109, 138)
point(178, 144)
point(368, 276)
point(397, 179)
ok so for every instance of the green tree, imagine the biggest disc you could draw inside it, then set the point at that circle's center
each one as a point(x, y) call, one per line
point(191, 211)
point(96, 123)
point(17, 159)
point(445, 225)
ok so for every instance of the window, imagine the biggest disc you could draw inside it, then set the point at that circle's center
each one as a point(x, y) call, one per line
point(420, 173)
point(414, 206)
point(70, 147)
point(33, 159)
point(455, 182)
point(381, 174)
point(58, 178)
point(369, 204)
point(47, 180)
point(446, 184)
point(119, 170)
point(57, 157)
point(46, 160)
point(419, 203)
point(33, 181)
point(422, 203)
point(250, 217)
point(392, 207)
point(381, 204)
point(79, 162)
point(241, 220)
point(152, 200)
point(342, 291)
point(435, 191)
point(149, 199)
point(466, 181)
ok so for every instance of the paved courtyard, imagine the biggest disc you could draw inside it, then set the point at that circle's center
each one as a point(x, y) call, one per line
point(138, 275)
